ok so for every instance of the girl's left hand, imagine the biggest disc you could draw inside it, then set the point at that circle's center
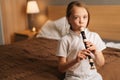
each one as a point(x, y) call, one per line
point(90, 46)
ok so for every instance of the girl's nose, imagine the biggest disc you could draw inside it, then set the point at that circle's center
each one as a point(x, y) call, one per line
point(80, 20)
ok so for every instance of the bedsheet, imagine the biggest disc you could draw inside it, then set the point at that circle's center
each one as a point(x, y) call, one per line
point(35, 59)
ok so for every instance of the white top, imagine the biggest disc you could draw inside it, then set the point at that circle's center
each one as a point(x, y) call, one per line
point(69, 45)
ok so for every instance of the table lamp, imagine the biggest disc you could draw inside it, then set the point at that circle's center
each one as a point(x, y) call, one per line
point(32, 8)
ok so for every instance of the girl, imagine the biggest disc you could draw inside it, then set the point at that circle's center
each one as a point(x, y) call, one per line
point(73, 57)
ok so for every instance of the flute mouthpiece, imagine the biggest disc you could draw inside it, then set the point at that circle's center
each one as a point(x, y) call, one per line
point(82, 29)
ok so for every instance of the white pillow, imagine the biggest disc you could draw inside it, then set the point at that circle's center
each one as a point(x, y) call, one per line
point(49, 30)
point(62, 25)
point(113, 45)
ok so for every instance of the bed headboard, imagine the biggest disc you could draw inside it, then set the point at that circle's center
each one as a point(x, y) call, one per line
point(105, 19)
point(55, 12)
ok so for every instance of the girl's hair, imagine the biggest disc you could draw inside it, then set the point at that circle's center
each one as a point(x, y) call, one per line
point(78, 4)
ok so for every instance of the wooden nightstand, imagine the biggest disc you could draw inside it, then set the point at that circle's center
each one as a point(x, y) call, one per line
point(27, 34)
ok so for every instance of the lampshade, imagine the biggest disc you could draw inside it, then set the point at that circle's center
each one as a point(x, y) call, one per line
point(32, 7)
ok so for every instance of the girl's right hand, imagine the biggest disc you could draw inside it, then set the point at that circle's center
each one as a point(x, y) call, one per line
point(82, 54)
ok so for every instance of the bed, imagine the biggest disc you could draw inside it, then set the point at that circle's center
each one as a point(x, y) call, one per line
point(35, 59)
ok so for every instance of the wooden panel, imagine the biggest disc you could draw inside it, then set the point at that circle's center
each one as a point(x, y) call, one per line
point(55, 12)
point(13, 17)
point(105, 19)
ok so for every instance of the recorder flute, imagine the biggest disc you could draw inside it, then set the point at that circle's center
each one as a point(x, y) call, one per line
point(91, 62)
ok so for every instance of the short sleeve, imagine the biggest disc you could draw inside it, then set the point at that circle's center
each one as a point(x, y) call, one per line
point(62, 48)
point(100, 45)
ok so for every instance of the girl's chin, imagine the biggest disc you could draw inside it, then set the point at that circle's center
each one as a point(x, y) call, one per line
point(81, 27)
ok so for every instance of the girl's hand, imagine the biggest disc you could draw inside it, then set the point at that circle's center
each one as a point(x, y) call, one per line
point(90, 46)
point(82, 55)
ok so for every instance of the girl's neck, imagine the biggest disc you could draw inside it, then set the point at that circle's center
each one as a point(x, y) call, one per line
point(77, 32)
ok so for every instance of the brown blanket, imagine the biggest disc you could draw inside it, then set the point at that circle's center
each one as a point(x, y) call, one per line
point(35, 59)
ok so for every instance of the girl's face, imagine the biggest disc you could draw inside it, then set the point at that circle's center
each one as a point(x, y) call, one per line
point(78, 18)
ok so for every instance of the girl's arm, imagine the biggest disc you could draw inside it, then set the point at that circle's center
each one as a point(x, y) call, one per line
point(65, 65)
point(99, 58)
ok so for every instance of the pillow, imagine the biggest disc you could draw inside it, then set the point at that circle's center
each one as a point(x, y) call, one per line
point(113, 45)
point(62, 25)
point(49, 30)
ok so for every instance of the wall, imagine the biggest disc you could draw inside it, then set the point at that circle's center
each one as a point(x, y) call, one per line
point(14, 18)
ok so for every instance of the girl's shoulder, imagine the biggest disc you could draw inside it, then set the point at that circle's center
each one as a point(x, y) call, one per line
point(66, 37)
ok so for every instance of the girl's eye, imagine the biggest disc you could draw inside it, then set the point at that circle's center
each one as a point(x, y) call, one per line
point(75, 17)
point(85, 17)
